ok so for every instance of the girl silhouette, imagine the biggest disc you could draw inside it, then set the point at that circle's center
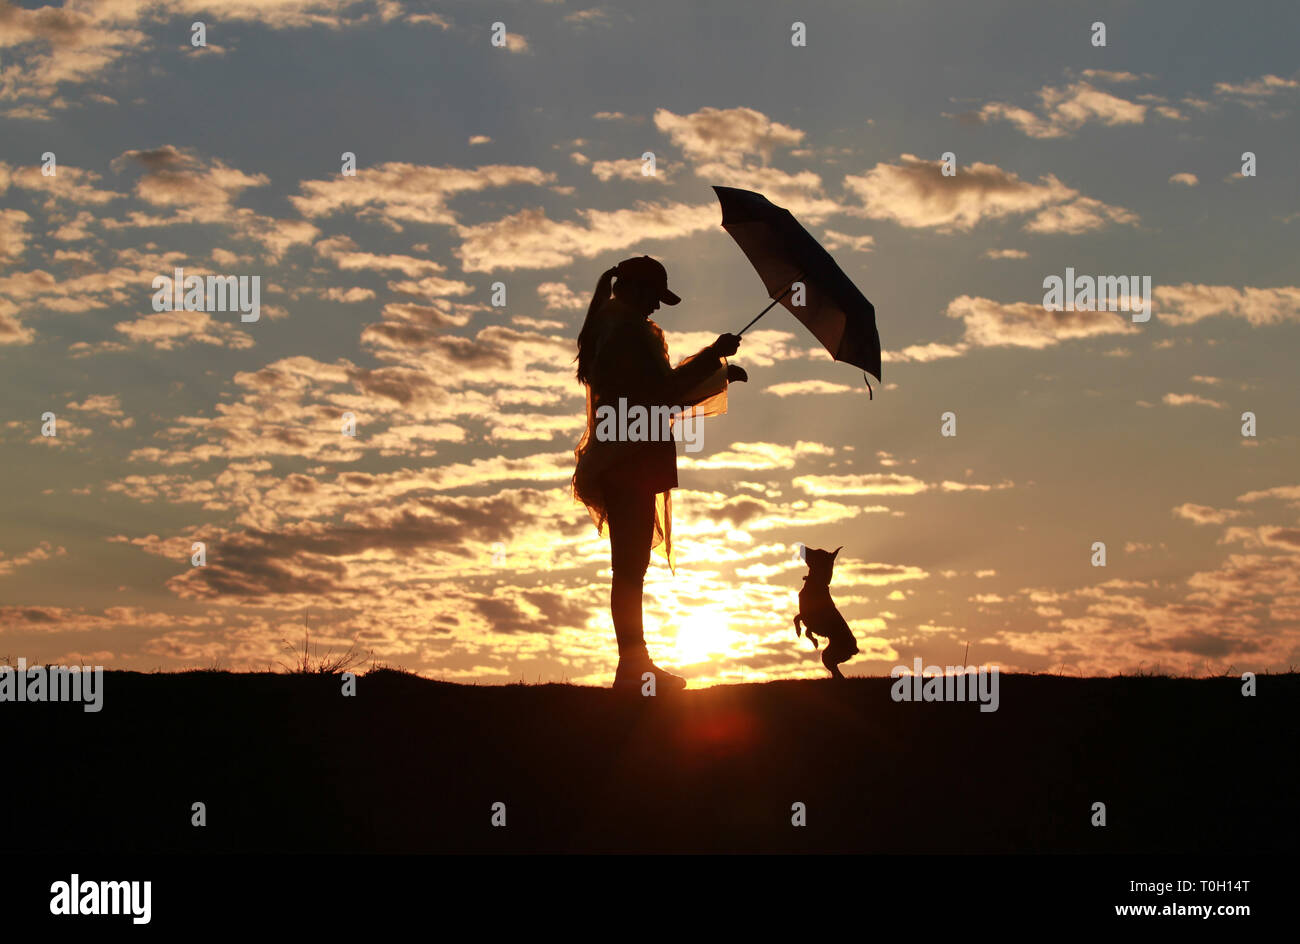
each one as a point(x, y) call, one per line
point(626, 485)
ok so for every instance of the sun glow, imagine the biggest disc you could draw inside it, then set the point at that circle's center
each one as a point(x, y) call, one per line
point(702, 636)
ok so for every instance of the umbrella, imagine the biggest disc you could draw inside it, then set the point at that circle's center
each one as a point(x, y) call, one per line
point(783, 253)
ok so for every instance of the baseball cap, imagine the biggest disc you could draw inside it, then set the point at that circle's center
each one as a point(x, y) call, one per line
point(649, 272)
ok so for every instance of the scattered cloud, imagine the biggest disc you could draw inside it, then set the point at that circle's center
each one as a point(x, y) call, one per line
point(725, 135)
point(1188, 303)
point(800, 387)
point(529, 239)
point(1189, 399)
point(915, 193)
point(1205, 514)
point(833, 241)
point(1025, 324)
point(1063, 110)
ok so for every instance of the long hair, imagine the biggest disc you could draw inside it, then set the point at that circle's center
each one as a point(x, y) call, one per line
point(587, 336)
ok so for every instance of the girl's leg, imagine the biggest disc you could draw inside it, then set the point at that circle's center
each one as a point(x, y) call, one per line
point(631, 519)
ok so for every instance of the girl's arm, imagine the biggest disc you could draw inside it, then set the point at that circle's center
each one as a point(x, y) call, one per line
point(703, 377)
point(696, 378)
point(639, 369)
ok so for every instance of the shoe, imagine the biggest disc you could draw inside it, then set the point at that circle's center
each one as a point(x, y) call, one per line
point(633, 665)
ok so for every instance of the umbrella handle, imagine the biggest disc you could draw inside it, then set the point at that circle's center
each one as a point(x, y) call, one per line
point(771, 306)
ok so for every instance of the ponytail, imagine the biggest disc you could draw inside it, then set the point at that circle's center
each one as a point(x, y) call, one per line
point(587, 336)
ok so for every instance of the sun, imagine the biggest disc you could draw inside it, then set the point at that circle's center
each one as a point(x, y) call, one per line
point(703, 636)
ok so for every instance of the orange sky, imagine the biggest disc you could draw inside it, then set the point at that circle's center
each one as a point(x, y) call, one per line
point(442, 536)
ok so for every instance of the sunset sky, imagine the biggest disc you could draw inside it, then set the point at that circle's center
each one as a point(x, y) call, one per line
point(521, 164)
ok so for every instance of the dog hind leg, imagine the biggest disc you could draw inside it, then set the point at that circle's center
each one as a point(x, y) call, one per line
point(831, 663)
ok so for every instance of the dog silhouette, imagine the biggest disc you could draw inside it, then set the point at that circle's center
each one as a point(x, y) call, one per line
point(817, 610)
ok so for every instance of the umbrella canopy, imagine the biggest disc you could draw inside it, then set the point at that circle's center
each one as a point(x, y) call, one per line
point(782, 252)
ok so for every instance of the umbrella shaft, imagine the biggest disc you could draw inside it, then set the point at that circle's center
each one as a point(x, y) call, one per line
point(771, 306)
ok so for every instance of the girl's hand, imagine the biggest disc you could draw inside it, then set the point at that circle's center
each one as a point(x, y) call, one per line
point(736, 374)
point(726, 345)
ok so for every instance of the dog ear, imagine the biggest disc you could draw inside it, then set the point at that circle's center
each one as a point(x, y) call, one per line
point(837, 551)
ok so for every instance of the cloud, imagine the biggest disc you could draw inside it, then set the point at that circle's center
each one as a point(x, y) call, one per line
point(105, 404)
point(79, 43)
point(1080, 216)
point(728, 512)
point(90, 290)
point(559, 297)
point(1024, 324)
point(1006, 254)
point(344, 253)
point(55, 45)
point(1106, 76)
point(1062, 110)
point(338, 560)
point(431, 286)
point(1189, 303)
point(798, 192)
point(756, 456)
point(1253, 90)
point(950, 486)
point(1187, 180)
point(924, 353)
point(916, 194)
point(12, 330)
point(866, 574)
point(67, 184)
point(833, 240)
point(169, 330)
point(200, 190)
point(800, 387)
point(43, 551)
point(397, 193)
point(178, 178)
point(1266, 536)
point(13, 235)
point(873, 483)
point(530, 240)
point(885, 483)
point(433, 19)
point(590, 17)
point(1189, 399)
point(1205, 514)
point(725, 135)
point(347, 295)
point(1241, 610)
point(631, 168)
point(1284, 492)
point(75, 230)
